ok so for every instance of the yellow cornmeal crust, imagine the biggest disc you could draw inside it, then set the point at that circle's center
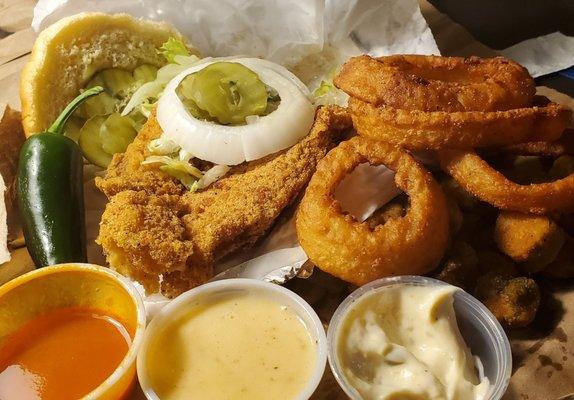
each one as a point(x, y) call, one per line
point(68, 53)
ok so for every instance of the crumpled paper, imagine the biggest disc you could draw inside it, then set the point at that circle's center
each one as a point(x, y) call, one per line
point(313, 38)
point(281, 31)
point(544, 54)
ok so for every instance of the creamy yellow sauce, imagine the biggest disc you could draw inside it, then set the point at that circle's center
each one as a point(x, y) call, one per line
point(403, 343)
point(239, 346)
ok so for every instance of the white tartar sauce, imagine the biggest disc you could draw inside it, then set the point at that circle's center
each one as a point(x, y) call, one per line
point(403, 342)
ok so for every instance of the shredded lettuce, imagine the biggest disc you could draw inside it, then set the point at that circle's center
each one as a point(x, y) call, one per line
point(183, 171)
point(163, 147)
point(324, 88)
point(189, 181)
point(175, 162)
point(148, 94)
point(211, 175)
point(173, 47)
point(327, 94)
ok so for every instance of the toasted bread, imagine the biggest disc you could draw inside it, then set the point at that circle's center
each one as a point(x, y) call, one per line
point(68, 53)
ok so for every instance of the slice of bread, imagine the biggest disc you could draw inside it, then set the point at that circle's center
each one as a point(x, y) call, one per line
point(72, 50)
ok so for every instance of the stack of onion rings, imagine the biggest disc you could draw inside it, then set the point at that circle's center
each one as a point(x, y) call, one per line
point(450, 107)
point(430, 103)
point(350, 250)
point(446, 109)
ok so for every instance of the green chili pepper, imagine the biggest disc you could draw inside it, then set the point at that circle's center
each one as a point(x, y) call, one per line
point(50, 192)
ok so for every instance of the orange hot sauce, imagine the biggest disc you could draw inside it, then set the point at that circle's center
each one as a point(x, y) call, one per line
point(64, 354)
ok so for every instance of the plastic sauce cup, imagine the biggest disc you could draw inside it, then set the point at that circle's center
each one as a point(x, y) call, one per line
point(180, 305)
point(479, 328)
point(78, 285)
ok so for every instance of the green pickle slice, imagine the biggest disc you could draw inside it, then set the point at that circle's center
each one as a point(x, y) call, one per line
point(73, 127)
point(102, 104)
point(145, 73)
point(91, 144)
point(227, 92)
point(116, 133)
point(105, 131)
point(118, 82)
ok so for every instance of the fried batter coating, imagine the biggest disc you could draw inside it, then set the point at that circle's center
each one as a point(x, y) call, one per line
point(465, 200)
point(564, 145)
point(514, 302)
point(461, 266)
point(534, 241)
point(154, 226)
point(126, 171)
point(338, 244)
point(438, 130)
point(488, 184)
point(431, 83)
point(145, 230)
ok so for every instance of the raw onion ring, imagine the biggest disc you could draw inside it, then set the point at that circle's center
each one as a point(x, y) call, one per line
point(351, 250)
point(479, 178)
point(432, 83)
point(421, 130)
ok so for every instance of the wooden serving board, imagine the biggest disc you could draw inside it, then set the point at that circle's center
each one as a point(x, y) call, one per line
point(543, 353)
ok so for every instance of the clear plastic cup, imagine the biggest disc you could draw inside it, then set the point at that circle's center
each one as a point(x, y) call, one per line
point(479, 328)
point(182, 304)
point(78, 285)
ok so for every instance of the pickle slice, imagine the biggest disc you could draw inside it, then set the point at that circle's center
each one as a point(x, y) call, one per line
point(145, 73)
point(102, 104)
point(72, 128)
point(116, 133)
point(91, 144)
point(117, 82)
point(227, 91)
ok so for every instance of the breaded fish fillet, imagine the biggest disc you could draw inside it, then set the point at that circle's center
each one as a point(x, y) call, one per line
point(158, 233)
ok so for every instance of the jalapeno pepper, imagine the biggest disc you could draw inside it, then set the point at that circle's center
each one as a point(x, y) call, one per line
point(50, 193)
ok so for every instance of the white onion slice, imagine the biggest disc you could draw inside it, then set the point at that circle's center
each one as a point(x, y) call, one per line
point(211, 175)
point(232, 145)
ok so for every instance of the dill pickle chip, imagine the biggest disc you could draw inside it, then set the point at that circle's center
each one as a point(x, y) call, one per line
point(227, 91)
point(145, 73)
point(116, 133)
point(97, 80)
point(73, 127)
point(117, 82)
point(102, 104)
point(90, 142)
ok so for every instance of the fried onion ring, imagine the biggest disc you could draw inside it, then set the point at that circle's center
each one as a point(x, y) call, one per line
point(352, 251)
point(479, 178)
point(563, 146)
point(420, 130)
point(432, 83)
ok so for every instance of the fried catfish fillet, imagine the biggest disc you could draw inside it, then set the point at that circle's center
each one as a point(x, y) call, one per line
point(158, 233)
